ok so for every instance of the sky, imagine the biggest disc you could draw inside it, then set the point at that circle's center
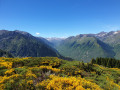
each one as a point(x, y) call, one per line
point(60, 18)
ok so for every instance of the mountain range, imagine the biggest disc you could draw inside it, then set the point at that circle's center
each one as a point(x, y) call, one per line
point(82, 47)
point(23, 44)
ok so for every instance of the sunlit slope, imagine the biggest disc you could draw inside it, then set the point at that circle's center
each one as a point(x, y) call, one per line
point(85, 48)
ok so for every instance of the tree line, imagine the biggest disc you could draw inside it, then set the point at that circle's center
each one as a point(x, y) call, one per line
point(107, 62)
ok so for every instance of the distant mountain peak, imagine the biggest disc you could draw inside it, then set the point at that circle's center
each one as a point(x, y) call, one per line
point(55, 38)
point(101, 34)
point(116, 32)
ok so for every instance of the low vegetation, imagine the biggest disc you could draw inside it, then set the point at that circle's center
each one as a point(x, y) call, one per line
point(52, 73)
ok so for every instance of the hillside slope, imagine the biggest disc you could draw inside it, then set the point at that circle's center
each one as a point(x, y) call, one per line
point(84, 48)
point(23, 44)
point(113, 39)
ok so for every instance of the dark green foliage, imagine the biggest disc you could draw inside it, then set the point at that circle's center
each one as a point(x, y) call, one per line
point(93, 60)
point(107, 62)
point(85, 66)
point(20, 70)
point(2, 72)
point(5, 54)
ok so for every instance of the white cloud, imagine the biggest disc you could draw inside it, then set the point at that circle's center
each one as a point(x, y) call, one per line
point(37, 33)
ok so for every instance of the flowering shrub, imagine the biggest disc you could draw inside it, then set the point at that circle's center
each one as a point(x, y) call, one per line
point(50, 68)
point(52, 73)
point(6, 64)
point(9, 71)
point(112, 85)
point(67, 83)
point(29, 74)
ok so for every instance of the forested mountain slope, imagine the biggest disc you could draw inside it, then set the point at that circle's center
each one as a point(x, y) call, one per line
point(23, 44)
point(85, 48)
